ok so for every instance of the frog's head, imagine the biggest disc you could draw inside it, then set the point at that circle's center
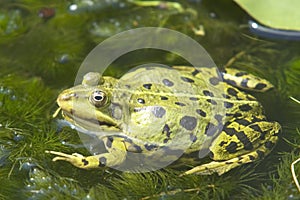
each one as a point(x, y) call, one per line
point(87, 105)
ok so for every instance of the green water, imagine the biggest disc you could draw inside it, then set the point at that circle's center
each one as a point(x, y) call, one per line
point(41, 56)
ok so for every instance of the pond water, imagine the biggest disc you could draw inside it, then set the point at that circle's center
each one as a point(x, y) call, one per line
point(42, 46)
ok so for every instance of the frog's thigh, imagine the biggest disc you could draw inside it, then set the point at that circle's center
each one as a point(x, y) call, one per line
point(245, 80)
point(233, 148)
point(116, 155)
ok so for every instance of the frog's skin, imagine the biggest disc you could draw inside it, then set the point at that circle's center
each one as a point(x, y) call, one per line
point(179, 102)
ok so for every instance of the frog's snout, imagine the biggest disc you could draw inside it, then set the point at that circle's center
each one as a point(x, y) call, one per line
point(66, 96)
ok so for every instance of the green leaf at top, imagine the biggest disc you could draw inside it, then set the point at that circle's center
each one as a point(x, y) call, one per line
point(279, 14)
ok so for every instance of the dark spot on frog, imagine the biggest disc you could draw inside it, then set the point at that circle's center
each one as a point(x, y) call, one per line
point(188, 80)
point(102, 162)
point(244, 140)
point(127, 140)
point(127, 86)
point(269, 145)
point(188, 122)
point(109, 142)
point(256, 128)
point(166, 130)
point(245, 107)
point(210, 129)
point(133, 148)
point(214, 80)
point(85, 162)
point(193, 137)
point(208, 93)
point(230, 82)
point(239, 74)
point(195, 72)
point(234, 115)
point(226, 96)
point(158, 112)
point(167, 82)
point(251, 157)
point(138, 109)
point(230, 131)
point(260, 86)
point(147, 86)
point(166, 140)
point(201, 112)
point(228, 162)
point(164, 98)
point(219, 118)
point(150, 147)
point(256, 119)
point(141, 101)
point(244, 82)
point(213, 102)
point(262, 135)
point(243, 122)
point(232, 147)
point(228, 104)
point(179, 104)
point(194, 98)
point(232, 92)
point(222, 143)
point(237, 115)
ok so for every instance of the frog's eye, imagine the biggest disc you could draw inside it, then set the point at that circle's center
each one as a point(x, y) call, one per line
point(98, 98)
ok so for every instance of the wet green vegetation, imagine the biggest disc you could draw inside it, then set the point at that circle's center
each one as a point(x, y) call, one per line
point(41, 53)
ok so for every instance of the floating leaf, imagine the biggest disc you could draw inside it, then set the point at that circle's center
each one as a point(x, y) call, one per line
point(274, 13)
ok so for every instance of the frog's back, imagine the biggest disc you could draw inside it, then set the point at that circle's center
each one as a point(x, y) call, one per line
point(160, 104)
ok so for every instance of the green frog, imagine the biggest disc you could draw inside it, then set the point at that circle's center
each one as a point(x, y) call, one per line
point(163, 113)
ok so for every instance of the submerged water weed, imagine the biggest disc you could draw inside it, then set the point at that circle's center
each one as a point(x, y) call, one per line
point(24, 129)
point(43, 185)
point(281, 184)
point(294, 174)
point(23, 102)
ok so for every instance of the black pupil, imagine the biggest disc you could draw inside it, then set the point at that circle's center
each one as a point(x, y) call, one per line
point(98, 97)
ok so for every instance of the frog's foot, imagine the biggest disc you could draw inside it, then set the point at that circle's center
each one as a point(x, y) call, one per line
point(89, 162)
point(75, 159)
point(254, 142)
point(221, 167)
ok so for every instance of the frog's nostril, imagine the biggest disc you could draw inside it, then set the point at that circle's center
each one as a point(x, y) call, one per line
point(66, 97)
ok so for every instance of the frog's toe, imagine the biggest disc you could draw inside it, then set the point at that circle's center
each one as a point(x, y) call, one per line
point(75, 159)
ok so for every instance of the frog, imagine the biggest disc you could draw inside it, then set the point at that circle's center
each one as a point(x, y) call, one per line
point(205, 112)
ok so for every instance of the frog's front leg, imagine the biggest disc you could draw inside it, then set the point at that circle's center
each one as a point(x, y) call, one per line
point(238, 144)
point(115, 156)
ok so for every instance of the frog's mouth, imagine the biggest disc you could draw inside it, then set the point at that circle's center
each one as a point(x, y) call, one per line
point(91, 124)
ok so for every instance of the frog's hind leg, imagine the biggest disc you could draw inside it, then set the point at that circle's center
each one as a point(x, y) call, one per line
point(245, 80)
point(236, 146)
point(115, 156)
